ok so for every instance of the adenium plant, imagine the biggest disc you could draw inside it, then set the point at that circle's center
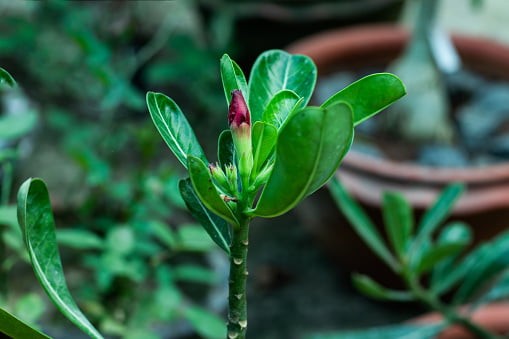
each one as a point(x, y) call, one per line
point(276, 151)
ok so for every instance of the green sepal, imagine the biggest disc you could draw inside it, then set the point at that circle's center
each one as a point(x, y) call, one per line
point(206, 191)
point(369, 95)
point(309, 148)
point(216, 227)
point(174, 127)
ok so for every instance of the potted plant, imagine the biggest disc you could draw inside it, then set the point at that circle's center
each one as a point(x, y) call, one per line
point(484, 205)
point(465, 287)
point(276, 152)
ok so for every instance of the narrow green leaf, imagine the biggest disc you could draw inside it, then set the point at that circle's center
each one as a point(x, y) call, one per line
point(215, 226)
point(79, 239)
point(309, 148)
point(195, 274)
point(499, 291)
point(439, 252)
point(374, 290)
point(399, 222)
point(6, 78)
point(225, 148)
point(276, 70)
point(174, 127)
point(369, 95)
point(15, 328)
point(36, 220)
point(400, 331)
point(446, 273)
point(264, 140)
point(14, 126)
point(439, 211)
point(207, 324)
point(280, 106)
point(361, 223)
point(233, 78)
point(163, 233)
point(206, 191)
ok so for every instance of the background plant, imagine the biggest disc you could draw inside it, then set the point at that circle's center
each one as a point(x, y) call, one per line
point(433, 259)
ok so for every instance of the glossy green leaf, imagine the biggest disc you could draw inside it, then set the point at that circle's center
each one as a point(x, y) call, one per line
point(206, 191)
point(482, 265)
point(6, 78)
point(174, 127)
point(401, 331)
point(369, 95)
point(205, 323)
point(309, 148)
point(15, 126)
point(36, 220)
point(361, 223)
point(225, 148)
point(398, 221)
point(280, 106)
point(233, 78)
point(264, 138)
point(445, 273)
point(15, 328)
point(439, 211)
point(276, 70)
point(215, 226)
point(374, 290)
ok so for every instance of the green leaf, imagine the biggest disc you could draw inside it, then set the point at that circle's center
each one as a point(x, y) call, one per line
point(79, 239)
point(399, 222)
point(233, 78)
point(205, 323)
point(174, 127)
point(439, 252)
point(481, 265)
point(445, 273)
point(6, 78)
point(225, 148)
point(8, 216)
point(280, 106)
point(361, 223)
point(15, 328)
point(276, 70)
point(394, 331)
point(309, 148)
point(15, 126)
point(499, 291)
point(163, 233)
point(36, 220)
point(439, 211)
point(374, 290)
point(369, 95)
point(195, 274)
point(215, 226)
point(194, 238)
point(206, 191)
point(264, 140)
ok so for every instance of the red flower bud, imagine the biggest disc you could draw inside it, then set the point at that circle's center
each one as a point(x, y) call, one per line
point(238, 111)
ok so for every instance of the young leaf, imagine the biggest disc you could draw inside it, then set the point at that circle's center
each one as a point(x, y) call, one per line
point(264, 140)
point(437, 213)
point(361, 223)
point(206, 191)
point(374, 290)
point(215, 226)
point(280, 106)
point(174, 127)
point(36, 220)
point(6, 78)
point(369, 95)
point(225, 148)
point(398, 220)
point(309, 148)
point(15, 328)
point(232, 78)
point(276, 70)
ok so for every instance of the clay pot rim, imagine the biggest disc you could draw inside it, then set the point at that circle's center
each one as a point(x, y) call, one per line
point(352, 44)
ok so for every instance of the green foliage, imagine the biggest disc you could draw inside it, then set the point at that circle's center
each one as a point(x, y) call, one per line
point(431, 250)
point(15, 328)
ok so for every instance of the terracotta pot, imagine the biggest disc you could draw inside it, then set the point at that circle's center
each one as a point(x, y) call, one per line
point(485, 205)
point(492, 317)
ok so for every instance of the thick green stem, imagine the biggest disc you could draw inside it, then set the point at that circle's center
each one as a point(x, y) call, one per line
point(237, 313)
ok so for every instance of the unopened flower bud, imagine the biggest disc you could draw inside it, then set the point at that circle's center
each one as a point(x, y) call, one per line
point(238, 112)
point(219, 177)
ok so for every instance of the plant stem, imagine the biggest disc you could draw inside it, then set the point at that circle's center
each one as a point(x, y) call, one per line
point(237, 299)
